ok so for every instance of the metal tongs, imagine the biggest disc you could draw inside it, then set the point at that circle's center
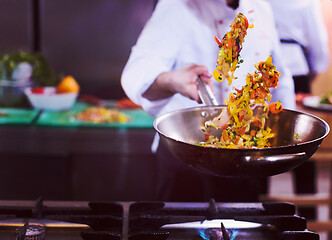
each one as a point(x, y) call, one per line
point(209, 99)
point(205, 93)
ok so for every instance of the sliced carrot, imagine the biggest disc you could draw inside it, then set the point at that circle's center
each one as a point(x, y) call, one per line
point(253, 133)
point(252, 94)
point(225, 136)
point(257, 122)
point(241, 131)
point(206, 136)
point(218, 41)
point(275, 107)
point(261, 93)
point(246, 22)
point(224, 127)
point(242, 113)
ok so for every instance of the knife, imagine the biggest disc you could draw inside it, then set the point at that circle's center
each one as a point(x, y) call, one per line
point(96, 101)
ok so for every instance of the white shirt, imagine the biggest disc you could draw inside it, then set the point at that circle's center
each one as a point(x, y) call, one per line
point(181, 32)
point(302, 21)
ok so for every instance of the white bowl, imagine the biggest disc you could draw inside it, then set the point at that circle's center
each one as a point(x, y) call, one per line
point(50, 100)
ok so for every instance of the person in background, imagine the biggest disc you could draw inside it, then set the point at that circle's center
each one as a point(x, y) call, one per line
point(304, 47)
point(304, 40)
point(175, 47)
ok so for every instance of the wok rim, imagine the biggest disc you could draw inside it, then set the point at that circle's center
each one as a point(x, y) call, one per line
point(164, 115)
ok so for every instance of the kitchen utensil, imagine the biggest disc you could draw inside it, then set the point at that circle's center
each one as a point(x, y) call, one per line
point(297, 137)
point(96, 101)
point(205, 93)
point(124, 103)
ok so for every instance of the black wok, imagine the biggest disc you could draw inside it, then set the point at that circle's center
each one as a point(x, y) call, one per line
point(297, 137)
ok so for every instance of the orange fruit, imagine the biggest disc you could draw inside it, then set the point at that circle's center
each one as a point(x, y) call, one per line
point(68, 84)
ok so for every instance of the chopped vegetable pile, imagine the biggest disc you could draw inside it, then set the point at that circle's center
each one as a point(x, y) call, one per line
point(230, 47)
point(241, 127)
point(102, 115)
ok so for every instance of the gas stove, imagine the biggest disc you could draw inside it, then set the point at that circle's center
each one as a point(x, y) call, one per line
point(152, 220)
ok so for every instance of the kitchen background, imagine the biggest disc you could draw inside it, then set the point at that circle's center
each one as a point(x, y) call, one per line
point(90, 40)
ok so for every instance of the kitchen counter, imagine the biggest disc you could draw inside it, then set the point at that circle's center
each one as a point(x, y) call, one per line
point(77, 162)
point(60, 133)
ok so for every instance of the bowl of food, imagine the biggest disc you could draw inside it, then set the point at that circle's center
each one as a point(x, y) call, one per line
point(61, 97)
point(47, 98)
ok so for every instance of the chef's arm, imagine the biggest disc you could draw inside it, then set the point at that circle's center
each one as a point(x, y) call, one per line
point(181, 81)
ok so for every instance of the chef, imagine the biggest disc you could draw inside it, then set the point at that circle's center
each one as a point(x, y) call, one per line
point(177, 45)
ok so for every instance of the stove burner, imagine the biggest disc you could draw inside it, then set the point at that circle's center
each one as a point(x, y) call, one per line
point(30, 232)
point(166, 220)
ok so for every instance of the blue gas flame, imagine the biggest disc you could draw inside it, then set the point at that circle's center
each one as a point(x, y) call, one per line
point(215, 234)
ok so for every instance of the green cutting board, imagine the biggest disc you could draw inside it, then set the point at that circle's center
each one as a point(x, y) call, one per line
point(139, 118)
point(15, 116)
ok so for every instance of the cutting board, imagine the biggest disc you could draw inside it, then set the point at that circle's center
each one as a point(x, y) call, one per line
point(15, 116)
point(139, 118)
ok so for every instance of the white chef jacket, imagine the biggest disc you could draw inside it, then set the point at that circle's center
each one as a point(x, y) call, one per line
point(302, 21)
point(181, 32)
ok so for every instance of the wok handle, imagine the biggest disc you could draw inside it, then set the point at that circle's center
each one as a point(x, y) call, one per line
point(280, 157)
point(205, 93)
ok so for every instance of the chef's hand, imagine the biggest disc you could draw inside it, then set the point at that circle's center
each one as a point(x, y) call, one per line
point(181, 81)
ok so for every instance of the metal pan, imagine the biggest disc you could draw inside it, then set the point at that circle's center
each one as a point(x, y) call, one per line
point(181, 130)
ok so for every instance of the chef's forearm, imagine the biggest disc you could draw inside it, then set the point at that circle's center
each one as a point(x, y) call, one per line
point(160, 88)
